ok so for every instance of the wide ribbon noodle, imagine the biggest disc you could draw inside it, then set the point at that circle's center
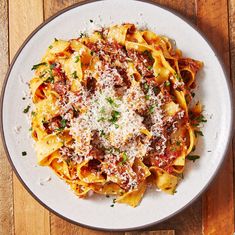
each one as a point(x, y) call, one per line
point(112, 112)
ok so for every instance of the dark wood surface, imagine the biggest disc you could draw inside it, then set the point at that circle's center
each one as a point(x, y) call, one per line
point(212, 213)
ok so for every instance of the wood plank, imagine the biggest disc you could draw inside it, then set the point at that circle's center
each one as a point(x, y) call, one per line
point(162, 232)
point(62, 227)
point(231, 8)
point(184, 7)
point(189, 221)
point(53, 6)
point(232, 50)
point(6, 192)
point(30, 217)
point(218, 204)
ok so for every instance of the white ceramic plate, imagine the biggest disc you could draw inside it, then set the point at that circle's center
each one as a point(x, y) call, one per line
point(96, 211)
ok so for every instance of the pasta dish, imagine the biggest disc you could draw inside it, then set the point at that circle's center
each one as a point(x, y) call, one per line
point(113, 112)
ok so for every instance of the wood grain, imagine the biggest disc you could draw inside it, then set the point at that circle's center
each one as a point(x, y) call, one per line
point(30, 217)
point(162, 232)
point(6, 192)
point(184, 7)
point(232, 54)
point(218, 204)
point(231, 8)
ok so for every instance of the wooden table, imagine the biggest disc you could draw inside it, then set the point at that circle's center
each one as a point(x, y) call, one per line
point(212, 213)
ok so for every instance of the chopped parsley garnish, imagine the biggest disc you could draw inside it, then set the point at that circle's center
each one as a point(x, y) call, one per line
point(150, 67)
point(50, 80)
point(83, 35)
point(156, 90)
point(26, 109)
point(193, 157)
point(102, 133)
point(33, 113)
point(38, 65)
point(63, 123)
point(44, 121)
point(112, 102)
point(74, 74)
point(148, 54)
point(178, 77)
point(56, 40)
point(77, 58)
point(52, 66)
point(30, 129)
point(116, 126)
point(201, 118)
point(50, 47)
point(92, 52)
point(198, 133)
point(115, 116)
point(42, 74)
point(196, 120)
point(167, 83)
point(151, 108)
point(124, 158)
point(24, 153)
point(147, 97)
point(146, 86)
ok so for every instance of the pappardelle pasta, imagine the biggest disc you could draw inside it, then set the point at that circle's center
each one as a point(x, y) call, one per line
point(112, 112)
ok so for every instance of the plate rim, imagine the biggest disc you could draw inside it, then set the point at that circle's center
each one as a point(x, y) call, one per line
point(222, 160)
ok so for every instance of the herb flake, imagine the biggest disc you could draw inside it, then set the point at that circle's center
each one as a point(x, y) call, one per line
point(115, 115)
point(74, 74)
point(196, 132)
point(38, 65)
point(77, 58)
point(63, 123)
point(26, 109)
point(167, 83)
point(151, 109)
point(148, 54)
point(193, 157)
point(112, 102)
